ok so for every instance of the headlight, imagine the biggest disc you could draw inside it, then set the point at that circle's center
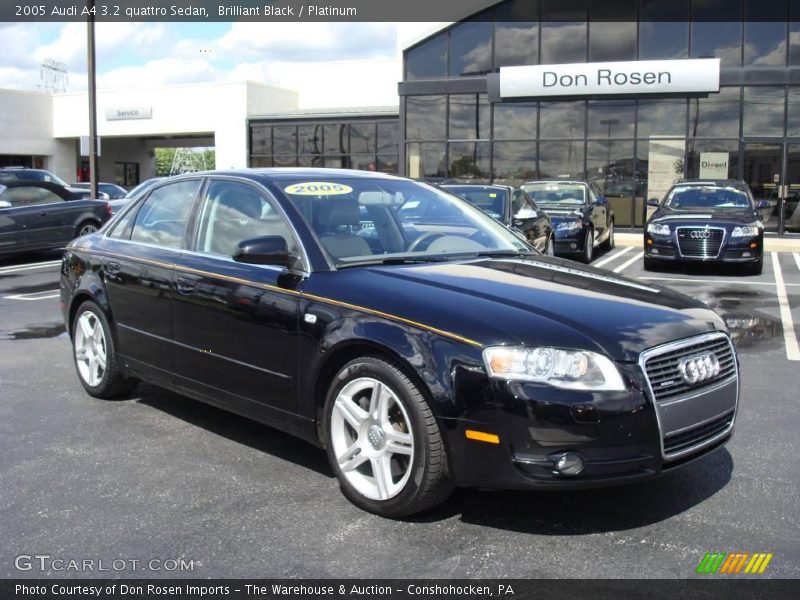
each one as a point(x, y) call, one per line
point(568, 369)
point(745, 231)
point(658, 228)
point(570, 225)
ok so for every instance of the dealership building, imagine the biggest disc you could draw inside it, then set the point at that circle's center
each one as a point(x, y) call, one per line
point(632, 94)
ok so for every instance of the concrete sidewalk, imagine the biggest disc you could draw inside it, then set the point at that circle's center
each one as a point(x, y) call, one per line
point(771, 244)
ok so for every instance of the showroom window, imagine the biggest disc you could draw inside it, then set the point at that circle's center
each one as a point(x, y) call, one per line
point(611, 118)
point(717, 115)
point(469, 160)
point(717, 31)
point(765, 32)
point(695, 149)
point(663, 29)
point(284, 139)
point(426, 117)
point(470, 48)
point(612, 30)
point(469, 117)
point(661, 117)
point(516, 34)
point(561, 158)
point(794, 33)
point(515, 120)
point(562, 119)
point(563, 35)
point(793, 124)
point(514, 162)
point(428, 59)
point(426, 160)
point(763, 110)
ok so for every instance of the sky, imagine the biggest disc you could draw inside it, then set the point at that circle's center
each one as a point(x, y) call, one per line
point(330, 64)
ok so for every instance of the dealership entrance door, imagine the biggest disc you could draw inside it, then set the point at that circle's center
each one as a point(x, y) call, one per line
point(772, 170)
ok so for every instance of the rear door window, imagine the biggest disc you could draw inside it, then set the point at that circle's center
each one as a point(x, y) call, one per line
point(162, 218)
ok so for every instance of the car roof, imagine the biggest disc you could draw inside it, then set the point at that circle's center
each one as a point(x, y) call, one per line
point(478, 186)
point(719, 182)
point(558, 180)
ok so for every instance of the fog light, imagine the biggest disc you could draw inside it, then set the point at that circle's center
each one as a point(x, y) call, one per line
point(567, 463)
point(654, 251)
point(573, 246)
point(746, 254)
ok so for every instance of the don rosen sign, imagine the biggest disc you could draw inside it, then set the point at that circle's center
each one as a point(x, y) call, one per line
point(621, 78)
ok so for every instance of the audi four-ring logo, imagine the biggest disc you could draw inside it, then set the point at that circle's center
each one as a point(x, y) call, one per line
point(699, 368)
point(700, 235)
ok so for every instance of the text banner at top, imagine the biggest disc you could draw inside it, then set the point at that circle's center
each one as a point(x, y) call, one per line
point(342, 10)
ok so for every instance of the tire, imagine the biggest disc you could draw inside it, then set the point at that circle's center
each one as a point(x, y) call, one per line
point(95, 355)
point(650, 264)
point(86, 228)
point(588, 246)
point(355, 435)
point(610, 244)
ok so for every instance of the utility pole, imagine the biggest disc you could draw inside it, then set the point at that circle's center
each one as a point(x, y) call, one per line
point(90, 62)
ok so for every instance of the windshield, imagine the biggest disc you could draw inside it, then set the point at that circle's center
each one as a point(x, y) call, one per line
point(363, 220)
point(556, 192)
point(141, 187)
point(706, 197)
point(489, 200)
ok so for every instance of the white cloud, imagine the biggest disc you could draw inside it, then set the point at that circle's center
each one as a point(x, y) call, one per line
point(333, 84)
point(160, 72)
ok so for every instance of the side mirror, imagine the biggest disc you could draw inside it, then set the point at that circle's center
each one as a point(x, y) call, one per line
point(5, 204)
point(763, 204)
point(652, 202)
point(525, 213)
point(266, 250)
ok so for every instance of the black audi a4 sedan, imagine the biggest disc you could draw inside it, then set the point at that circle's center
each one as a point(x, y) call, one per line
point(420, 355)
point(514, 208)
point(38, 215)
point(706, 221)
point(581, 216)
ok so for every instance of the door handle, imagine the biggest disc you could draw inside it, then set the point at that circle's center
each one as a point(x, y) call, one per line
point(112, 270)
point(185, 286)
point(43, 213)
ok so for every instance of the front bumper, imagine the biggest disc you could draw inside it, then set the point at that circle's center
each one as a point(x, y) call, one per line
point(733, 250)
point(569, 241)
point(618, 435)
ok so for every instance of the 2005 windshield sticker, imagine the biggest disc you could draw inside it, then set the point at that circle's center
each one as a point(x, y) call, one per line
point(318, 188)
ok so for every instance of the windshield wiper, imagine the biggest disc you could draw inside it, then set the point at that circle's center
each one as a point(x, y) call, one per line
point(503, 253)
point(395, 260)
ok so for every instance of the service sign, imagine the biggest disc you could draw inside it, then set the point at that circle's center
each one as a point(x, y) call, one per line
point(129, 113)
point(699, 75)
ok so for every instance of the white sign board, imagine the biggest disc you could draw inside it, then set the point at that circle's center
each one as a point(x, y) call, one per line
point(129, 113)
point(713, 165)
point(697, 75)
point(85, 146)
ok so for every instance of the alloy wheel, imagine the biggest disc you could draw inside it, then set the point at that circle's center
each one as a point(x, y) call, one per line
point(87, 229)
point(90, 349)
point(372, 438)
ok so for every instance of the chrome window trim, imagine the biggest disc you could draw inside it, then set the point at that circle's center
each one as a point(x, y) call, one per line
point(677, 345)
point(721, 244)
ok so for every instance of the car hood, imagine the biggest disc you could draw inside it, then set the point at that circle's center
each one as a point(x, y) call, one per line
point(530, 301)
point(702, 217)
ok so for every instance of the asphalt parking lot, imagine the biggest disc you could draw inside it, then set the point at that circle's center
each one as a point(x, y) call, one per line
point(159, 476)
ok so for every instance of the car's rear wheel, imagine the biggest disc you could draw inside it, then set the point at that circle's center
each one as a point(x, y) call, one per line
point(86, 228)
point(588, 246)
point(95, 355)
point(383, 441)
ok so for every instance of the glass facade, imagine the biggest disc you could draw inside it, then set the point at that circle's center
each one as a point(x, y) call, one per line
point(369, 144)
point(633, 148)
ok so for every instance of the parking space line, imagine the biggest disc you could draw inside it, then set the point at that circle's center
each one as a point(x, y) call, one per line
point(45, 295)
point(698, 280)
point(29, 267)
point(629, 262)
point(789, 336)
point(608, 259)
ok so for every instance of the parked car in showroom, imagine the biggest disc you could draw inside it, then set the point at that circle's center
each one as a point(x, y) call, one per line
point(580, 214)
point(112, 191)
point(702, 221)
point(26, 174)
point(513, 207)
point(36, 215)
point(422, 355)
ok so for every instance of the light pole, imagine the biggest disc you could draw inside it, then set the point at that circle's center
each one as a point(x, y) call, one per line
point(93, 175)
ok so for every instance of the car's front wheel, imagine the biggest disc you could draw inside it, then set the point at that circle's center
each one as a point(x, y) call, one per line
point(95, 355)
point(383, 441)
point(86, 228)
point(588, 246)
